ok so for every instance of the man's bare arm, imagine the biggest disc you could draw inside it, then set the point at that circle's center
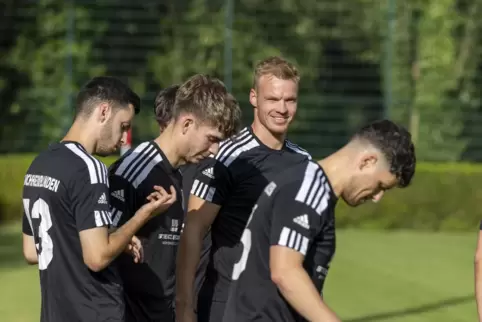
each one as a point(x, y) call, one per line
point(99, 248)
point(287, 272)
point(200, 217)
point(29, 249)
point(478, 276)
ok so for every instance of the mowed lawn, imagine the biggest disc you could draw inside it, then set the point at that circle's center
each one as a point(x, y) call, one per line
point(375, 276)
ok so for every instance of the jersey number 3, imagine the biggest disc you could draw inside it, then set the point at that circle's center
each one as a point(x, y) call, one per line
point(41, 210)
point(240, 266)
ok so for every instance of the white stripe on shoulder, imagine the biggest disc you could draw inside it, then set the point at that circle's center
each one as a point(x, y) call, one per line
point(237, 145)
point(228, 144)
point(314, 191)
point(139, 163)
point(240, 149)
point(233, 138)
point(132, 158)
point(146, 169)
point(97, 169)
point(296, 148)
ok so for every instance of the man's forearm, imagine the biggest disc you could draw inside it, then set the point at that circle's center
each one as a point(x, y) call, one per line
point(298, 289)
point(187, 262)
point(121, 237)
point(478, 287)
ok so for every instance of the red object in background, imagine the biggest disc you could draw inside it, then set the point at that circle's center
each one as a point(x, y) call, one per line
point(129, 138)
point(128, 144)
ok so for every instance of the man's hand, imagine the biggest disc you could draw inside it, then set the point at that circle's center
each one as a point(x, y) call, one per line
point(159, 201)
point(99, 247)
point(134, 248)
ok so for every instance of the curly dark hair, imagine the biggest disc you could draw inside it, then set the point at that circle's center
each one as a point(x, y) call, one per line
point(395, 142)
point(164, 105)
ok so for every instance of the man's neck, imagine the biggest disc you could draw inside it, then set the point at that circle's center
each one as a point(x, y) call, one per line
point(166, 142)
point(268, 138)
point(336, 168)
point(80, 133)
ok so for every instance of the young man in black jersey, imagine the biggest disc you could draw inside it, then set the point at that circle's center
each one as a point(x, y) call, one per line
point(289, 241)
point(66, 210)
point(193, 117)
point(226, 186)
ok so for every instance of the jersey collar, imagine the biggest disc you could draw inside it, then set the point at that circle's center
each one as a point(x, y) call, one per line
point(165, 160)
point(283, 148)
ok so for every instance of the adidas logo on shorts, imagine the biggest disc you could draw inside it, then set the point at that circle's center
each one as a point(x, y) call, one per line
point(302, 221)
point(102, 199)
point(119, 194)
point(209, 172)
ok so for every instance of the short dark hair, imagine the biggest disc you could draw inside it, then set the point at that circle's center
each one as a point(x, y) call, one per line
point(164, 105)
point(105, 89)
point(395, 142)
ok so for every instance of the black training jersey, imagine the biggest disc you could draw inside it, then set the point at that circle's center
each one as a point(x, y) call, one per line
point(234, 179)
point(296, 210)
point(132, 179)
point(66, 191)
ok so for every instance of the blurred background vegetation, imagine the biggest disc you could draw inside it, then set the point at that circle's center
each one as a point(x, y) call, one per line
point(417, 62)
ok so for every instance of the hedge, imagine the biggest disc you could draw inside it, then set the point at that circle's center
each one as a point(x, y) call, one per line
point(13, 169)
point(442, 197)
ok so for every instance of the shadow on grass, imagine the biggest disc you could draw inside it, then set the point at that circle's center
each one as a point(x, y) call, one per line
point(11, 246)
point(414, 311)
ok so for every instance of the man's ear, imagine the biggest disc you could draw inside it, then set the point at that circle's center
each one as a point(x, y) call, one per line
point(103, 112)
point(368, 160)
point(253, 98)
point(186, 121)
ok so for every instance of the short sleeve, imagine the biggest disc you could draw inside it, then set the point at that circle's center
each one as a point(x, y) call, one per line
point(123, 200)
point(90, 197)
point(294, 223)
point(212, 181)
point(26, 227)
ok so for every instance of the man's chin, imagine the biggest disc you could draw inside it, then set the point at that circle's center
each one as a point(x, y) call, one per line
point(279, 128)
point(105, 153)
point(199, 159)
point(352, 203)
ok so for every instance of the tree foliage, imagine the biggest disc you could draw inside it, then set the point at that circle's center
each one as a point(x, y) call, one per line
point(355, 67)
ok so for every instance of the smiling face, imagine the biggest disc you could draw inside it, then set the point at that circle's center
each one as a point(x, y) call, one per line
point(275, 103)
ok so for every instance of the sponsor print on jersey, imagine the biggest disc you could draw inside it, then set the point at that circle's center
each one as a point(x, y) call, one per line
point(118, 194)
point(172, 239)
point(102, 199)
point(209, 172)
point(302, 221)
point(270, 188)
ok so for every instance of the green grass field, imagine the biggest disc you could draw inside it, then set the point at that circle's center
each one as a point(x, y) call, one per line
point(375, 276)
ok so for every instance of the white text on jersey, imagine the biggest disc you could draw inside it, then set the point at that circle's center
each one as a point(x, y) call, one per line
point(39, 181)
